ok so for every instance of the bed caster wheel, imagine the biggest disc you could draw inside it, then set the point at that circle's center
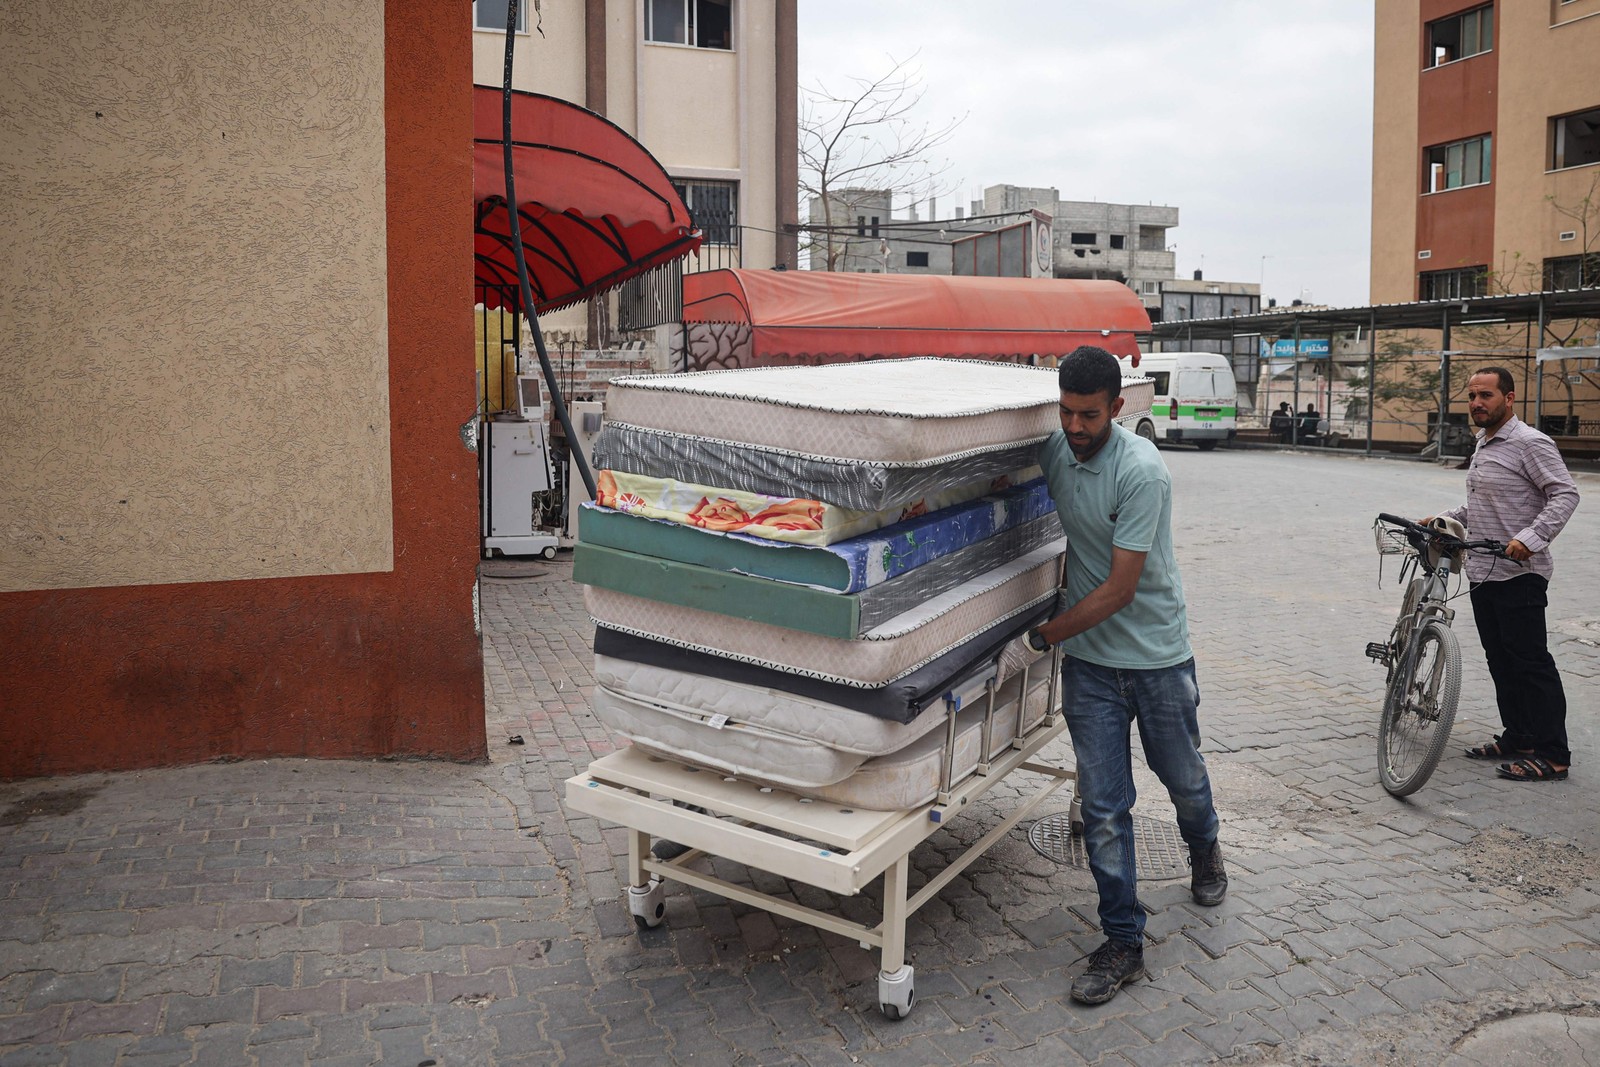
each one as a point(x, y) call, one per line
point(897, 992)
point(648, 903)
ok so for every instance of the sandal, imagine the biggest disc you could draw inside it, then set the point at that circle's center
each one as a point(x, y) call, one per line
point(1535, 769)
point(1496, 749)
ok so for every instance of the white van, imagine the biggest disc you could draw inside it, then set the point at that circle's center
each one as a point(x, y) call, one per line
point(1196, 399)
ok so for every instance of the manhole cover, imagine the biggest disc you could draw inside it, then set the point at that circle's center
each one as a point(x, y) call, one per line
point(1158, 852)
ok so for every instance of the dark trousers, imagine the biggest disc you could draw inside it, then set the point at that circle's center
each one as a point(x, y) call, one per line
point(1533, 706)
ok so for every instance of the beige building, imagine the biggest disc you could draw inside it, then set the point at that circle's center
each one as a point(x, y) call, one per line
point(1486, 180)
point(709, 87)
point(1486, 142)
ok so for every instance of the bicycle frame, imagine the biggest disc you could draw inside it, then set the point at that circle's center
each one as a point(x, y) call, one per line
point(1424, 601)
point(1422, 656)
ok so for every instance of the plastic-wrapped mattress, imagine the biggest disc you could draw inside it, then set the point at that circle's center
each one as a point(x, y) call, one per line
point(899, 701)
point(880, 411)
point(799, 607)
point(780, 515)
point(860, 485)
point(846, 566)
point(812, 748)
point(895, 648)
point(866, 436)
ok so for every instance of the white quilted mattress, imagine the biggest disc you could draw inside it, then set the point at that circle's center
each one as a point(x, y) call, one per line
point(892, 649)
point(883, 411)
point(814, 749)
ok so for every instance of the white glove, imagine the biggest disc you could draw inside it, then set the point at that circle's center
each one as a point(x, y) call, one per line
point(1017, 655)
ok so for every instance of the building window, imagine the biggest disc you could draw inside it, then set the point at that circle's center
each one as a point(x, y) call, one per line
point(1452, 284)
point(714, 207)
point(1575, 139)
point(1460, 36)
point(1572, 272)
point(491, 15)
point(861, 225)
point(1083, 239)
point(698, 23)
point(1452, 166)
point(1119, 240)
point(916, 259)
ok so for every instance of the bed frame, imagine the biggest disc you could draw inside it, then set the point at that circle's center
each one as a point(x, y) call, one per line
point(838, 849)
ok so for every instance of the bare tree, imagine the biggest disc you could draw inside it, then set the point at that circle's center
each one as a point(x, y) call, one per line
point(866, 138)
point(1523, 274)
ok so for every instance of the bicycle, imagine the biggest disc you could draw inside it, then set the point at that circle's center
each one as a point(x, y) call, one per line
point(1422, 655)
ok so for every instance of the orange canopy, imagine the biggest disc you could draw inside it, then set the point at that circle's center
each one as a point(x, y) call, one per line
point(596, 207)
point(818, 317)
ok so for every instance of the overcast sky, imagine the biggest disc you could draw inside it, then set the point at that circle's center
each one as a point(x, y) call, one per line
point(1252, 117)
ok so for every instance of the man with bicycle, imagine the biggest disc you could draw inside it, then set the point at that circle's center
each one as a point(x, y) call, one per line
point(1127, 659)
point(1518, 491)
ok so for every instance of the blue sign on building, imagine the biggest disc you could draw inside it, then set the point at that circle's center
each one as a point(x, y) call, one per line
point(1283, 348)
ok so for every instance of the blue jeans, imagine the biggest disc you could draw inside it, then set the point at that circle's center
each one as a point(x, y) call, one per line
point(1101, 703)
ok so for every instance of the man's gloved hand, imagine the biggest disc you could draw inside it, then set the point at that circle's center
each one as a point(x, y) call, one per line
point(1017, 655)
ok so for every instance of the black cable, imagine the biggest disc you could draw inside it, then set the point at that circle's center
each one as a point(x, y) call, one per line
point(514, 218)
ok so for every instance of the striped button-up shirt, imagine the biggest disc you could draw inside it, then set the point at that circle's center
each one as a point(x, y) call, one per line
point(1517, 489)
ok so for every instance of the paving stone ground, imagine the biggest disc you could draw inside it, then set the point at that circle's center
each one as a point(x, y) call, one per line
point(410, 913)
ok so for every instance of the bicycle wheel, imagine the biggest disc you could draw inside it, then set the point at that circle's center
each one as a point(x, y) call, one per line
point(1419, 709)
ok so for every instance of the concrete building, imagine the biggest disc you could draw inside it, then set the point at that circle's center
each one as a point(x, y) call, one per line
point(709, 87)
point(1486, 137)
point(860, 233)
point(1200, 298)
point(1124, 242)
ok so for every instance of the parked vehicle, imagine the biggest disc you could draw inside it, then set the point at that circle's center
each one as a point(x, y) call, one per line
point(1196, 400)
point(1138, 394)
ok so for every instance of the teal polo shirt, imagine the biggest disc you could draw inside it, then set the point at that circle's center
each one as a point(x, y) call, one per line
point(1122, 496)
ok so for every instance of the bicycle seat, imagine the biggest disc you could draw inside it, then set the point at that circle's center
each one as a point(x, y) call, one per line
point(1451, 528)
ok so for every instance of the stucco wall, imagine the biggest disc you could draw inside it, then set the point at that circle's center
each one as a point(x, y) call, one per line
point(549, 57)
point(1546, 71)
point(194, 386)
point(381, 663)
point(1396, 159)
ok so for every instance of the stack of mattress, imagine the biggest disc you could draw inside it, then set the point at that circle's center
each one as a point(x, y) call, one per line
point(795, 572)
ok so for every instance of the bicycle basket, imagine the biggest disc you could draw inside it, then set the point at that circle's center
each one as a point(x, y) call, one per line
point(1391, 541)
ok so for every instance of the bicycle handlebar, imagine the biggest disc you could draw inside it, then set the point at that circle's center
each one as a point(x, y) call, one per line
point(1493, 548)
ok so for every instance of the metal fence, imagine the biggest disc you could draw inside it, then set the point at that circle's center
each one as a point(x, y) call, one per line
point(1391, 401)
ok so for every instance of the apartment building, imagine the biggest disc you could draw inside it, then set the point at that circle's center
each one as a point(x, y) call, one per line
point(709, 87)
point(1486, 144)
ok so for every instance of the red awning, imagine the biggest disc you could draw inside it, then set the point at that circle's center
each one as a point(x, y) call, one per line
point(596, 207)
point(818, 317)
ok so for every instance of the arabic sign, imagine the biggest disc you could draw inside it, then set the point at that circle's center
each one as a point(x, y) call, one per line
point(1283, 348)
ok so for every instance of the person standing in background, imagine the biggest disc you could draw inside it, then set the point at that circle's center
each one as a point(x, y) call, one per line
point(1518, 491)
